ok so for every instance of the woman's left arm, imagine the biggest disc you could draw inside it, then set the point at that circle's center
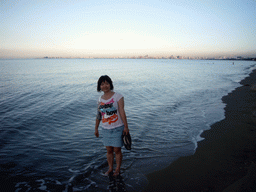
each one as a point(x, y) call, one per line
point(123, 115)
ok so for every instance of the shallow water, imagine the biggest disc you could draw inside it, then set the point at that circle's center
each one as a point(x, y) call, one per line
point(48, 107)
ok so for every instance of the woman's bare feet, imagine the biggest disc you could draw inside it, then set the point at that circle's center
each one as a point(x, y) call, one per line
point(117, 172)
point(109, 171)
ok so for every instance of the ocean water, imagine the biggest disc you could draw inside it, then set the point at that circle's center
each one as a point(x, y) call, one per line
point(48, 108)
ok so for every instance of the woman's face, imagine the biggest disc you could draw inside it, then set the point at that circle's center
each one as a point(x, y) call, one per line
point(105, 86)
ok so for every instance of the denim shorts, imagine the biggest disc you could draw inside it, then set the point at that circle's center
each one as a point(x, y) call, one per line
point(113, 137)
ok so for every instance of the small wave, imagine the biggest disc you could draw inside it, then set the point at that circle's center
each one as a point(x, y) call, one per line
point(40, 184)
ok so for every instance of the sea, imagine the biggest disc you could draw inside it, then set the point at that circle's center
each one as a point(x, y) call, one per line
point(48, 110)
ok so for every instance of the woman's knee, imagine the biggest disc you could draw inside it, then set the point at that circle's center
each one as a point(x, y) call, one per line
point(109, 150)
point(117, 150)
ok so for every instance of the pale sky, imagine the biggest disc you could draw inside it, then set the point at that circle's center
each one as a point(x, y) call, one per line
point(80, 28)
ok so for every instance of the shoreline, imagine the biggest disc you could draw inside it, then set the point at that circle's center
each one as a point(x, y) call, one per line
point(226, 159)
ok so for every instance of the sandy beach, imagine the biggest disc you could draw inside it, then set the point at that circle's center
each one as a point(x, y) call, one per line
point(226, 159)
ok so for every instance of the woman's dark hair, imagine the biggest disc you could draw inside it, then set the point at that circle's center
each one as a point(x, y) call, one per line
point(103, 79)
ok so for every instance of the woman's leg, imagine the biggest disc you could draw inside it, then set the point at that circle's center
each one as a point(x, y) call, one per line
point(119, 157)
point(110, 159)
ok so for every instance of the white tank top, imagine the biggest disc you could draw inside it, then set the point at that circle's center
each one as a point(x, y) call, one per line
point(109, 112)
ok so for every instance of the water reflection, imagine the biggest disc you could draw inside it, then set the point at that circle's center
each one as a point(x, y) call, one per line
point(82, 182)
point(116, 183)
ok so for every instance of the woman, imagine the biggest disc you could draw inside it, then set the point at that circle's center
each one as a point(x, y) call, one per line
point(114, 123)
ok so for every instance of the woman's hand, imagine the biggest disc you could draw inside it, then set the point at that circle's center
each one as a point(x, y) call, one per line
point(96, 133)
point(126, 131)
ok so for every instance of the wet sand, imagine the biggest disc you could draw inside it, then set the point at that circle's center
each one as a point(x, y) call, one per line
point(226, 159)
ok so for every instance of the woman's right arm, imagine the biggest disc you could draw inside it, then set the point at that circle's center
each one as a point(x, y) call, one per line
point(97, 123)
point(97, 127)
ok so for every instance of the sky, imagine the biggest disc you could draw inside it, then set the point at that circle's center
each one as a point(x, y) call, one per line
point(82, 28)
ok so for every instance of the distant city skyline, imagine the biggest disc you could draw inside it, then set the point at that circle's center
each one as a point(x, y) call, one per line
point(18, 54)
point(157, 57)
point(129, 28)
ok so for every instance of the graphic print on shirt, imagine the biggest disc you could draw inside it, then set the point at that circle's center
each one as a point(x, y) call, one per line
point(108, 112)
